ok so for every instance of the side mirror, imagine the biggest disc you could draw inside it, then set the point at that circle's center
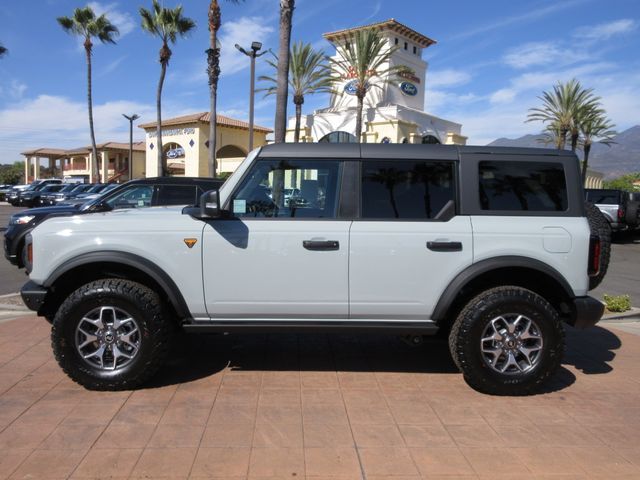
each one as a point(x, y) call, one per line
point(210, 205)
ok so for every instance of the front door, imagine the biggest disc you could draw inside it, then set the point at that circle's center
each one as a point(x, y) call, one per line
point(284, 254)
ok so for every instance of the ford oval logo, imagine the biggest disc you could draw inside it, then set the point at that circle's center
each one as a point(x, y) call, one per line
point(408, 88)
point(351, 87)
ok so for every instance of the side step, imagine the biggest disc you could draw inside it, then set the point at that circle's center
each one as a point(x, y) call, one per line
point(427, 327)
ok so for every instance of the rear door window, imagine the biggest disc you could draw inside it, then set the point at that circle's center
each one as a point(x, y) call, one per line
point(177, 195)
point(412, 190)
point(522, 186)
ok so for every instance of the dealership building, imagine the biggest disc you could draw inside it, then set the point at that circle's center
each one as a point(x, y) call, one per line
point(393, 110)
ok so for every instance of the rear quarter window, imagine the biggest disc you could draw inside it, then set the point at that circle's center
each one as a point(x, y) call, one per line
point(522, 186)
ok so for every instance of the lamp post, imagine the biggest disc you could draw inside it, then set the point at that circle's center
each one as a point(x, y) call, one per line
point(131, 118)
point(255, 47)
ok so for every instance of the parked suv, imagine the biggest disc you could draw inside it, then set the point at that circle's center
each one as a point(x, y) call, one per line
point(620, 208)
point(489, 245)
point(144, 192)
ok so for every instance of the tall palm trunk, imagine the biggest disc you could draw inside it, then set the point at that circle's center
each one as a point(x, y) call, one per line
point(213, 70)
point(286, 15)
point(574, 141)
point(587, 150)
point(296, 133)
point(359, 119)
point(165, 55)
point(95, 173)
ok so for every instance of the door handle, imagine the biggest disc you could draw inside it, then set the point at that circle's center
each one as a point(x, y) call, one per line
point(445, 246)
point(321, 244)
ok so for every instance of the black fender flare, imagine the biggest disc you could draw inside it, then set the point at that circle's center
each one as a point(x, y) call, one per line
point(170, 289)
point(474, 271)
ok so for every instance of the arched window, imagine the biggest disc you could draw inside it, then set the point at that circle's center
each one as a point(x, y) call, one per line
point(338, 137)
point(430, 139)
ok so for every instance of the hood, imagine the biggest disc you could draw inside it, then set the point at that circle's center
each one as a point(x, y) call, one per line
point(48, 210)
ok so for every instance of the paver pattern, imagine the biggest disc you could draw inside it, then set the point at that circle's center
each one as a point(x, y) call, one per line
point(318, 407)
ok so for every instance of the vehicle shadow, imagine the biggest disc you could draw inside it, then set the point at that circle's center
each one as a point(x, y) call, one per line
point(196, 357)
point(591, 351)
point(626, 238)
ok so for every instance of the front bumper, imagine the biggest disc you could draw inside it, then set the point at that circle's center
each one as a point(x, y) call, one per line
point(12, 240)
point(33, 295)
point(586, 312)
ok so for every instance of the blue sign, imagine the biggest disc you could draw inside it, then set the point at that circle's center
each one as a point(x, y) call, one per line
point(351, 87)
point(408, 88)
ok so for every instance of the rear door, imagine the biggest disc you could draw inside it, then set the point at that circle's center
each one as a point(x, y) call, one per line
point(409, 243)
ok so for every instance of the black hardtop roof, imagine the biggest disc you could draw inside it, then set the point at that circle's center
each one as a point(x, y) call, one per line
point(396, 150)
point(174, 180)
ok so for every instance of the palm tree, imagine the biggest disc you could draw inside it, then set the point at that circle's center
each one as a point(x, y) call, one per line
point(167, 24)
point(563, 108)
point(365, 57)
point(213, 71)
point(309, 73)
point(282, 90)
point(595, 127)
point(3, 51)
point(86, 25)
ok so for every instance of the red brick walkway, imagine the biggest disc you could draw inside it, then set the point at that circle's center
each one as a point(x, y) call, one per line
point(334, 407)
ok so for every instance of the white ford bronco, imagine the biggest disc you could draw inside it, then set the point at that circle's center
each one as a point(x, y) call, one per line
point(490, 246)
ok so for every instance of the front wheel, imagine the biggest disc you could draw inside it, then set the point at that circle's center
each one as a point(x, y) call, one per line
point(110, 334)
point(507, 341)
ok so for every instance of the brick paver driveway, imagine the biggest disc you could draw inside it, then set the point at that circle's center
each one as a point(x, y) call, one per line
point(316, 406)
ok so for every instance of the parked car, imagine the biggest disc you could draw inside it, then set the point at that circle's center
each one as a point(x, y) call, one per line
point(14, 194)
point(90, 194)
point(618, 207)
point(403, 239)
point(36, 185)
point(49, 198)
point(143, 192)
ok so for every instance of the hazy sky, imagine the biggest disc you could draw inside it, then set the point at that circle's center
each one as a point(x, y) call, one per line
point(492, 59)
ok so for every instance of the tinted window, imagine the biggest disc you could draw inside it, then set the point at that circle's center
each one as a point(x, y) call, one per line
point(289, 188)
point(520, 186)
point(610, 197)
point(177, 195)
point(132, 197)
point(406, 189)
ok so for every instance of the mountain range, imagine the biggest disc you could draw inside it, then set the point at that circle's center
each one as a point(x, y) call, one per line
point(620, 158)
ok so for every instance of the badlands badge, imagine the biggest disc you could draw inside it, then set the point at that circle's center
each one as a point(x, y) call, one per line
point(190, 242)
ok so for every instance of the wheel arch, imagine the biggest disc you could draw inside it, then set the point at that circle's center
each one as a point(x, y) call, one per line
point(111, 264)
point(509, 270)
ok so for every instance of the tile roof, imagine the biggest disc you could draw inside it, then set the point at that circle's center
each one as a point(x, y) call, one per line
point(204, 117)
point(391, 24)
point(44, 152)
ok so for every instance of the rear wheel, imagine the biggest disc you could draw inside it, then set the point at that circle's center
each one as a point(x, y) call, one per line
point(599, 226)
point(111, 334)
point(507, 341)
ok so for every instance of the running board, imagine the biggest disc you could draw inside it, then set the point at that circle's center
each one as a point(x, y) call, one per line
point(301, 326)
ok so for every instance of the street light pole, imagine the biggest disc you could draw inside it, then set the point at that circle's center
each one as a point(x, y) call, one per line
point(131, 118)
point(253, 54)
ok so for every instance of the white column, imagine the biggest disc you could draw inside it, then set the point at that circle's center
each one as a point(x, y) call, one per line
point(27, 170)
point(36, 168)
point(104, 158)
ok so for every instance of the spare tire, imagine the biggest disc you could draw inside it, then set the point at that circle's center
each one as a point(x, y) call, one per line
point(599, 226)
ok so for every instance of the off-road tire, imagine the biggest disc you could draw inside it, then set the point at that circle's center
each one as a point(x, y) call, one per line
point(468, 328)
point(142, 303)
point(599, 226)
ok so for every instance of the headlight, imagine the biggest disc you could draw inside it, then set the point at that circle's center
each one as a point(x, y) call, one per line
point(21, 220)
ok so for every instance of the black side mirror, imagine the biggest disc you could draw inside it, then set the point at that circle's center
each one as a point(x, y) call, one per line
point(210, 205)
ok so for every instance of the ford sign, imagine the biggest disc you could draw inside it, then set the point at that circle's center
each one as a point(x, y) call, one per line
point(350, 87)
point(408, 88)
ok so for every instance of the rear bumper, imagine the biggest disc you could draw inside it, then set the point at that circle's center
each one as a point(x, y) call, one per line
point(33, 295)
point(586, 312)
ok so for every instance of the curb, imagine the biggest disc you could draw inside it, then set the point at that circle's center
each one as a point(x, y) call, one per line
point(633, 314)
